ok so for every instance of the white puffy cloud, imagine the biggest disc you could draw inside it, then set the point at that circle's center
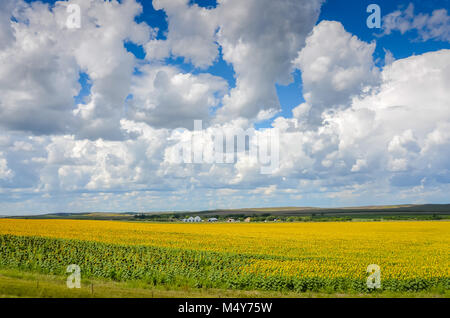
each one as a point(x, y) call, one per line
point(391, 141)
point(260, 38)
point(37, 82)
point(191, 33)
point(41, 67)
point(390, 133)
point(84, 165)
point(363, 133)
point(335, 66)
point(100, 52)
point(428, 27)
point(6, 31)
point(46, 59)
point(5, 173)
point(163, 96)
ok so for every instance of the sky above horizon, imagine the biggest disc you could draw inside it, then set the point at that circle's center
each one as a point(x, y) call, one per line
point(91, 116)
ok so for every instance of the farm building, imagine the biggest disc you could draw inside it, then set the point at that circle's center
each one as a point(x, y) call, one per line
point(213, 220)
point(197, 219)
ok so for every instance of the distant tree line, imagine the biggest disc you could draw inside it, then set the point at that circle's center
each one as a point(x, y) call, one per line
point(267, 217)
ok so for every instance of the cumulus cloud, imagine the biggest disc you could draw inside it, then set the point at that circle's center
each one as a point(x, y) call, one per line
point(381, 134)
point(5, 173)
point(191, 33)
point(84, 165)
point(394, 136)
point(335, 67)
point(362, 131)
point(40, 68)
point(6, 31)
point(101, 54)
point(45, 61)
point(165, 97)
point(434, 26)
point(37, 82)
point(260, 39)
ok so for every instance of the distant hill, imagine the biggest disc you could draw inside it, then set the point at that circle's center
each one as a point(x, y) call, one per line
point(411, 209)
point(356, 212)
point(80, 216)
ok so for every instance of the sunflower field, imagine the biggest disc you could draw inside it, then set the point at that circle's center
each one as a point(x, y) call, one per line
point(412, 256)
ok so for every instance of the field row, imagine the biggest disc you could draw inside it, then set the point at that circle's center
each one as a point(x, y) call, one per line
point(196, 269)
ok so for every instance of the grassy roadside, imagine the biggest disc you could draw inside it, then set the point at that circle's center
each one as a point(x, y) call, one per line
point(14, 283)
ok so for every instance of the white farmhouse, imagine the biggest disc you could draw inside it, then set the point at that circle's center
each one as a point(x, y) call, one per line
point(197, 219)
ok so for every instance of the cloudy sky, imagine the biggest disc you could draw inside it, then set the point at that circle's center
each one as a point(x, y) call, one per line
point(90, 116)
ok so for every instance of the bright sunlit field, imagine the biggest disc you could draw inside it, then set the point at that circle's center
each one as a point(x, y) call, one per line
point(412, 256)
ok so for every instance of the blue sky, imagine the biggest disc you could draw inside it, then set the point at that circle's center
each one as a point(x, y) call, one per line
point(96, 113)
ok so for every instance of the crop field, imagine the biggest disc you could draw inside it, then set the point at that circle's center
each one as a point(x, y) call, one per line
point(300, 257)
